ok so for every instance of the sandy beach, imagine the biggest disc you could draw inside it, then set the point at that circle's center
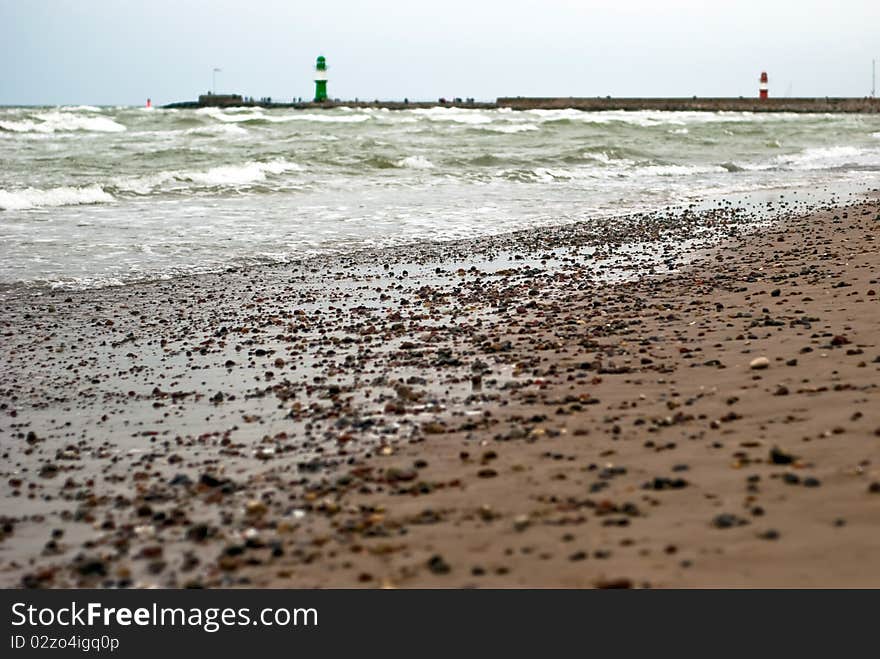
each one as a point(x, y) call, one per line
point(538, 409)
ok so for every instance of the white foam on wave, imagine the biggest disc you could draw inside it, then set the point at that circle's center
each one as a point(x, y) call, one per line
point(232, 115)
point(59, 121)
point(61, 196)
point(217, 129)
point(319, 118)
point(455, 115)
point(239, 115)
point(250, 172)
point(513, 128)
point(79, 108)
point(415, 162)
point(818, 158)
point(649, 118)
point(600, 156)
point(615, 169)
point(223, 175)
point(680, 170)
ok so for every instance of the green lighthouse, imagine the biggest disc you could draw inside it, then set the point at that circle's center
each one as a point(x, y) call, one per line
point(321, 79)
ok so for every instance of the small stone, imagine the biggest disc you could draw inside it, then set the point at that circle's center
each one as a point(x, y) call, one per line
point(619, 583)
point(256, 508)
point(438, 566)
point(209, 480)
point(91, 566)
point(780, 457)
point(759, 363)
point(394, 475)
point(727, 521)
point(198, 532)
point(49, 470)
point(663, 483)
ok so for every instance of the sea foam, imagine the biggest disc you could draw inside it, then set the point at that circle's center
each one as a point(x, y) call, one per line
point(221, 176)
point(829, 158)
point(61, 196)
point(58, 121)
point(415, 162)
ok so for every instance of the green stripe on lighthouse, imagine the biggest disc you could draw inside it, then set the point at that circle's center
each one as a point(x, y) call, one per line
point(321, 79)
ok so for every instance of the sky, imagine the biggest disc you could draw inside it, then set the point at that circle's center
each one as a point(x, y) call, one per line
point(108, 52)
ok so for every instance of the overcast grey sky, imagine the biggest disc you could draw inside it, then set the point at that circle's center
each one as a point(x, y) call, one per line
point(122, 51)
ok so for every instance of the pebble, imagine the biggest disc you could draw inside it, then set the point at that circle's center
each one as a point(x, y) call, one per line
point(437, 565)
point(759, 363)
point(780, 457)
point(728, 520)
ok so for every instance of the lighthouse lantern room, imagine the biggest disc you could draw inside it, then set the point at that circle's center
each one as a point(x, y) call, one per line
point(320, 79)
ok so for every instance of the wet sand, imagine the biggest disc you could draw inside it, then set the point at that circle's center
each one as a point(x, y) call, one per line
point(539, 409)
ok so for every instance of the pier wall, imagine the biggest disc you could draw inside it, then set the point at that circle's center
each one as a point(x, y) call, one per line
point(856, 105)
point(832, 105)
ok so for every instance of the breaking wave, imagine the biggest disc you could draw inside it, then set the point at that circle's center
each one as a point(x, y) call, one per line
point(61, 196)
point(817, 159)
point(415, 162)
point(830, 157)
point(257, 115)
point(62, 121)
point(455, 115)
point(221, 176)
point(250, 172)
point(224, 176)
point(513, 128)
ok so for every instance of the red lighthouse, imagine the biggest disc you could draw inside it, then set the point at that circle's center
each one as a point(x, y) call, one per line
point(762, 88)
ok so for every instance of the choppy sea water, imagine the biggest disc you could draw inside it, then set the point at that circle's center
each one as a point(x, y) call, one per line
point(99, 196)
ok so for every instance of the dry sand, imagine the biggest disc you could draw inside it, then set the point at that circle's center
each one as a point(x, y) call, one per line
point(465, 415)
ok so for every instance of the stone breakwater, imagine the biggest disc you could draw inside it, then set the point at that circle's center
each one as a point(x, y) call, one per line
point(826, 104)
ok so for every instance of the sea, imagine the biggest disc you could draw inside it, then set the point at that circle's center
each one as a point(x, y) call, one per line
point(106, 196)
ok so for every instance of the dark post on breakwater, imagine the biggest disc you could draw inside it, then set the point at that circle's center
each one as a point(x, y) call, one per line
point(864, 105)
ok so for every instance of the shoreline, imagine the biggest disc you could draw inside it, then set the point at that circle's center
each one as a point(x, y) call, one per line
point(487, 250)
point(334, 454)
